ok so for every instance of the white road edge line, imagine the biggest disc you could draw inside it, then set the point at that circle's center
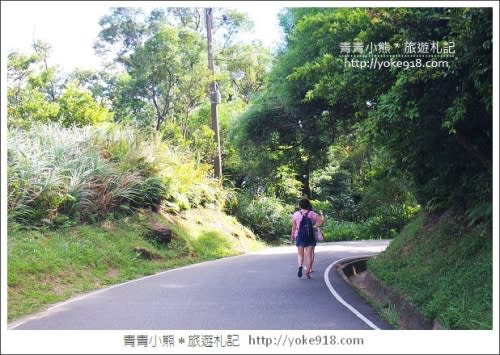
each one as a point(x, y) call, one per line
point(51, 308)
point(341, 300)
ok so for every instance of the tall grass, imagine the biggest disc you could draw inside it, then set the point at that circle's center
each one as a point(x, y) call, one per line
point(61, 175)
point(109, 176)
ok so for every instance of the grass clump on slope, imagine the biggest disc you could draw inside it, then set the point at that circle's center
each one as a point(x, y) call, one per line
point(444, 268)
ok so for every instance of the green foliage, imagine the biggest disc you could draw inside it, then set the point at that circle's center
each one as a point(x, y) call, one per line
point(212, 244)
point(90, 173)
point(479, 214)
point(431, 135)
point(376, 144)
point(35, 95)
point(122, 30)
point(129, 107)
point(164, 55)
point(360, 187)
point(284, 185)
point(29, 105)
point(390, 314)
point(268, 159)
point(266, 216)
point(334, 231)
point(77, 107)
point(380, 227)
point(170, 72)
point(252, 62)
point(369, 146)
point(186, 180)
point(27, 92)
point(199, 136)
point(444, 267)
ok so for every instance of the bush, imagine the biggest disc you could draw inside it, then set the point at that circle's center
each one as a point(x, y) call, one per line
point(266, 216)
point(383, 225)
point(378, 227)
point(334, 230)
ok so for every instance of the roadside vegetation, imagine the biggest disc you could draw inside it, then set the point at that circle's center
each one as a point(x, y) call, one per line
point(47, 266)
point(439, 264)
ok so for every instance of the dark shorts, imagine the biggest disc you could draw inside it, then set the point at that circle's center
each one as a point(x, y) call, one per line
point(300, 243)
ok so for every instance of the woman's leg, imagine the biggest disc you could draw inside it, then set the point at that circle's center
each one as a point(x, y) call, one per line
point(312, 257)
point(308, 258)
point(300, 259)
point(300, 255)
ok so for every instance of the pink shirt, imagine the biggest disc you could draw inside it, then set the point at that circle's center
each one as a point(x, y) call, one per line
point(297, 217)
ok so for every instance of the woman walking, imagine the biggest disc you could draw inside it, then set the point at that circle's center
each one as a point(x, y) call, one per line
point(304, 220)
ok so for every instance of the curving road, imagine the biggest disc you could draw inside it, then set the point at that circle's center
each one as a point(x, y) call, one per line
point(253, 291)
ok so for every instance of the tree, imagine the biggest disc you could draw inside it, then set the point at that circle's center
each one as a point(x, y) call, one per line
point(35, 93)
point(442, 142)
point(170, 72)
point(228, 23)
point(244, 69)
point(122, 32)
point(165, 57)
point(46, 80)
point(99, 83)
point(77, 107)
point(30, 89)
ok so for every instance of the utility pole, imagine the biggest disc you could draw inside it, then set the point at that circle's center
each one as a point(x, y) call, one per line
point(214, 95)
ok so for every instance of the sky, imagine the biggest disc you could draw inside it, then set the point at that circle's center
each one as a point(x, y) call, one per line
point(71, 27)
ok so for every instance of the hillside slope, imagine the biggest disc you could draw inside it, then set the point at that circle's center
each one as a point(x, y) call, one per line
point(444, 268)
point(48, 266)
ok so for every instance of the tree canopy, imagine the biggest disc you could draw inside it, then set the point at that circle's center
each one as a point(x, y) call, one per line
point(435, 123)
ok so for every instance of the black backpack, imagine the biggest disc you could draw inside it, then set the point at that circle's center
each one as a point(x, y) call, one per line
point(306, 230)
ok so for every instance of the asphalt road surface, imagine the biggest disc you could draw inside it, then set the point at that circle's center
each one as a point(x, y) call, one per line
point(257, 291)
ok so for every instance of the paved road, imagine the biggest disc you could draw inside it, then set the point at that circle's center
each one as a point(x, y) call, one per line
point(257, 291)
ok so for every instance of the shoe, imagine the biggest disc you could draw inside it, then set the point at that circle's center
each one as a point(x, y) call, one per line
point(308, 274)
point(299, 274)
